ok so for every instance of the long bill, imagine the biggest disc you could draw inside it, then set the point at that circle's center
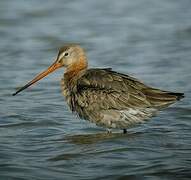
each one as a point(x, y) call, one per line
point(50, 69)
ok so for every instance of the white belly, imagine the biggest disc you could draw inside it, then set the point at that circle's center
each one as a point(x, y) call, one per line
point(125, 118)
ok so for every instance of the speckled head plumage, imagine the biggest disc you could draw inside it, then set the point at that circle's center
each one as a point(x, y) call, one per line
point(70, 55)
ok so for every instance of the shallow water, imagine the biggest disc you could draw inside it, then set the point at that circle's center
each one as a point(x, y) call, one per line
point(41, 139)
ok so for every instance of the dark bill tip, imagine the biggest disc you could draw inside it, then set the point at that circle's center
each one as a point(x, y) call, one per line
point(14, 94)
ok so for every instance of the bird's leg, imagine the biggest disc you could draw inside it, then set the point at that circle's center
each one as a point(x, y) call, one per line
point(109, 131)
point(124, 131)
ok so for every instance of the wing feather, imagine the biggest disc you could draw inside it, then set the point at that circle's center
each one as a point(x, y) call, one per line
point(111, 89)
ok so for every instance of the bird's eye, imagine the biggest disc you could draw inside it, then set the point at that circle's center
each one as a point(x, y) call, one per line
point(66, 54)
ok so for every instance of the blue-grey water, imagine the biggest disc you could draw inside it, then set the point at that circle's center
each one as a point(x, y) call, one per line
point(40, 139)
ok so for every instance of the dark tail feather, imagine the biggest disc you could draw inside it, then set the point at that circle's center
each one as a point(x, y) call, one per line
point(160, 99)
point(179, 96)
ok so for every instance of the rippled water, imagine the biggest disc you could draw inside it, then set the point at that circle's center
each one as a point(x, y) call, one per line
point(41, 139)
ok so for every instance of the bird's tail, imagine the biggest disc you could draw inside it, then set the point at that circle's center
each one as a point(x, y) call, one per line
point(160, 99)
point(178, 96)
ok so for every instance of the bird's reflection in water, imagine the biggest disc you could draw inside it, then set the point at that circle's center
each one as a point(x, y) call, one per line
point(83, 141)
point(94, 138)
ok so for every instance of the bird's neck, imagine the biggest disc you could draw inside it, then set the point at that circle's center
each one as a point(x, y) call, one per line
point(72, 71)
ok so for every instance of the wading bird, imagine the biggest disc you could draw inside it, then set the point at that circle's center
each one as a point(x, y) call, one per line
point(102, 96)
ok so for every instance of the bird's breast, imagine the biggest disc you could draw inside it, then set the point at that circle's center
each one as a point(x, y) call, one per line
point(67, 93)
point(69, 89)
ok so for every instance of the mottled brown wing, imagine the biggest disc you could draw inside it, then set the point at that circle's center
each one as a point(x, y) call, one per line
point(119, 91)
point(105, 89)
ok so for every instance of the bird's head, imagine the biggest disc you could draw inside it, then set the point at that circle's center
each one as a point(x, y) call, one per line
point(71, 56)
